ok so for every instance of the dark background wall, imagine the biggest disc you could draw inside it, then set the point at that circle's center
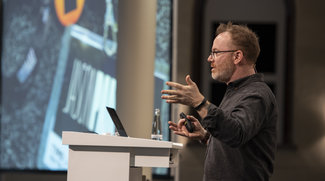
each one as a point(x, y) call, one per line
point(304, 157)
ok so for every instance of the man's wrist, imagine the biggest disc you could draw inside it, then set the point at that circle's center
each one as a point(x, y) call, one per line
point(202, 103)
point(205, 138)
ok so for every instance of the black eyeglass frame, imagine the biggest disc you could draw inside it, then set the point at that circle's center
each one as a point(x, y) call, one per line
point(213, 54)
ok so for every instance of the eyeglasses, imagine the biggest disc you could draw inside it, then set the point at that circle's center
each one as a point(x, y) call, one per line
point(213, 54)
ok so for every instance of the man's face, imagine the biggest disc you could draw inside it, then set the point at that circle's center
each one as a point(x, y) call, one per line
point(222, 64)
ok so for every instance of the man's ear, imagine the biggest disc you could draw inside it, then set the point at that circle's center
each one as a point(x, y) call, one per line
point(238, 57)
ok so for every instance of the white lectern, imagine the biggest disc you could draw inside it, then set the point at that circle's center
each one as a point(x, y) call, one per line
point(94, 157)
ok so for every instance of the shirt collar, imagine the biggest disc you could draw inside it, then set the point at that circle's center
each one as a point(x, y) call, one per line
point(258, 77)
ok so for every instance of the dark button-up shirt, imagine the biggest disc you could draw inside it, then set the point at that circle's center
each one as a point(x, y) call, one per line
point(243, 132)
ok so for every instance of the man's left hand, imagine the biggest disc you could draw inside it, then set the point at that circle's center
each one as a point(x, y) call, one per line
point(184, 94)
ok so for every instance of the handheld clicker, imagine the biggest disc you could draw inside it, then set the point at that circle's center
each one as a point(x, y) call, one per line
point(187, 123)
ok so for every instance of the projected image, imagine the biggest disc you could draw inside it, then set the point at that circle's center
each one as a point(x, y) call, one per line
point(163, 66)
point(163, 60)
point(58, 74)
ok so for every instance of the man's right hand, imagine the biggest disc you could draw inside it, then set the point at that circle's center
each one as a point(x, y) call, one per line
point(198, 133)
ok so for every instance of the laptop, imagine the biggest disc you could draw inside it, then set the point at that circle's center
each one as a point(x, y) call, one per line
point(118, 124)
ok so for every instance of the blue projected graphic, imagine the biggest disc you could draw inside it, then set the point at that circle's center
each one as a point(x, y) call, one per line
point(58, 74)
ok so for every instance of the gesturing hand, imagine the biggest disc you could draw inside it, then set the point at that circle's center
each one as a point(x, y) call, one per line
point(180, 129)
point(184, 94)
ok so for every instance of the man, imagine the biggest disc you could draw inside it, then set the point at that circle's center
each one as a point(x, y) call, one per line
point(240, 133)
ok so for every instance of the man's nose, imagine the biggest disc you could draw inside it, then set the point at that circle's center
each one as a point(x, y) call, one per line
point(209, 59)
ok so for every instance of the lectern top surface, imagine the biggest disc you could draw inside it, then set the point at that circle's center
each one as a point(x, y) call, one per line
point(92, 139)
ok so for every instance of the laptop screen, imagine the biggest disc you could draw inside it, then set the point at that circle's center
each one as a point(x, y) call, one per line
point(118, 124)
